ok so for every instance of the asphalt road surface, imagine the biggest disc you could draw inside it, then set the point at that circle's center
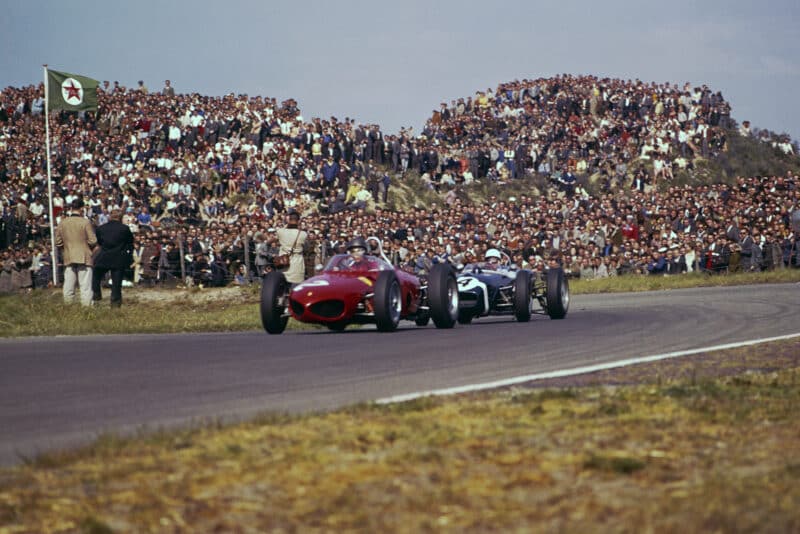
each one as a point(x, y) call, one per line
point(65, 391)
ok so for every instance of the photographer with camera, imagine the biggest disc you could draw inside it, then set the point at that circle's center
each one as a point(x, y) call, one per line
point(292, 240)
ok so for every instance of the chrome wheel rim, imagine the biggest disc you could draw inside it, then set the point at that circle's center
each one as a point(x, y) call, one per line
point(452, 298)
point(395, 303)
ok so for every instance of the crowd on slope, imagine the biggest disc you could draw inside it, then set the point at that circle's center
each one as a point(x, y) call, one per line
point(211, 177)
point(568, 125)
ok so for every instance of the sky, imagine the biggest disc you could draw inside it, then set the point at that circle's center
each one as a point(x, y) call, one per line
point(393, 63)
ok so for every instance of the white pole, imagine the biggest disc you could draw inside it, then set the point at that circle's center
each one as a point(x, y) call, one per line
point(54, 259)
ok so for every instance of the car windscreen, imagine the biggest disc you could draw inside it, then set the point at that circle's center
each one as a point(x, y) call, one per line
point(345, 262)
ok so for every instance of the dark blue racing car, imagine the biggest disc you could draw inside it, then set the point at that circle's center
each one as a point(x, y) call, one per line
point(496, 287)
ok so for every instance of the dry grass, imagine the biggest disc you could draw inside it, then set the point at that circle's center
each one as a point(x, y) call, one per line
point(42, 313)
point(635, 283)
point(677, 448)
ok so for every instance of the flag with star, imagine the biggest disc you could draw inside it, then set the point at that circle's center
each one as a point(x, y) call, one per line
point(71, 91)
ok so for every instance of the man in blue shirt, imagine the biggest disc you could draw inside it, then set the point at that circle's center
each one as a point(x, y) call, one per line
point(657, 263)
point(144, 219)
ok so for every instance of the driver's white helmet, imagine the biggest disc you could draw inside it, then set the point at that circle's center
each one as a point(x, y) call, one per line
point(493, 253)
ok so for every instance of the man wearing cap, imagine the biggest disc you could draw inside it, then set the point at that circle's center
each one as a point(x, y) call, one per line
point(115, 256)
point(76, 237)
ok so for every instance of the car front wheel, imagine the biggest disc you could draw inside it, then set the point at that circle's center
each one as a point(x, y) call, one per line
point(388, 301)
point(464, 317)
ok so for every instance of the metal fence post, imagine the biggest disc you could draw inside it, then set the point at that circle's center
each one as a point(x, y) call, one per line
point(182, 259)
point(247, 257)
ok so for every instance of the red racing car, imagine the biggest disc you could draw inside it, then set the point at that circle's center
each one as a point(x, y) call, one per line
point(361, 289)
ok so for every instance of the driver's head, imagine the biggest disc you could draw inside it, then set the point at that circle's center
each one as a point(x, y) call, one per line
point(493, 256)
point(357, 248)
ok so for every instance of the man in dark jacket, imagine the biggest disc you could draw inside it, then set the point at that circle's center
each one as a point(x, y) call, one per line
point(115, 242)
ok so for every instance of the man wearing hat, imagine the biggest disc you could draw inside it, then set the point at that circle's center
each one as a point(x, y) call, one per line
point(115, 256)
point(76, 237)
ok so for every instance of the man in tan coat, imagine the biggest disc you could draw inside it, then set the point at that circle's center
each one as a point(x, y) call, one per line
point(76, 238)
point(292, 241)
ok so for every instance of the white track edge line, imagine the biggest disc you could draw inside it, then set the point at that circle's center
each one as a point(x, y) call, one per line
point(576, 371)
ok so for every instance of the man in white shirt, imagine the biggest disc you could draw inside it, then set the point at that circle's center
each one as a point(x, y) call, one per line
point(36, 208)
point(185, 188)
point(174, 136)
point(173, 189)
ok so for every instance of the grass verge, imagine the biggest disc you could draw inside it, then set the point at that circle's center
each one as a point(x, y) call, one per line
point(42, 312)
point(625, 284)
point(708, 443)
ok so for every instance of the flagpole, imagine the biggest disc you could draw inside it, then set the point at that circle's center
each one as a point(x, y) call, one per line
point(54, 258)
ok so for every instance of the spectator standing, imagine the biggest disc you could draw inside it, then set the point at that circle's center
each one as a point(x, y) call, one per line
point(262, 253)
point(115, 256)
point(76, 237)
point(292, 240)
point(168, 90)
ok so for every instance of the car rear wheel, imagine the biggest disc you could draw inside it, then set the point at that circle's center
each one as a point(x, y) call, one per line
point(523, 298)
point(388, 301)
point(557, 293)
point(443, 296)
point(274, 296)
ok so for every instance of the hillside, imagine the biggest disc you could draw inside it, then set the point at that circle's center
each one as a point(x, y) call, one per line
point(528, 135)
point(523, 136)
point(746, 156)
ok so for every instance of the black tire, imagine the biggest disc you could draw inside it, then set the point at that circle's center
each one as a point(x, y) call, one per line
point(523, 298)
point(557, 293)
point(423, 318)
point(443, 296)
point(464, 317)
point(274, 295)
point(337, 326)
point(388, 301)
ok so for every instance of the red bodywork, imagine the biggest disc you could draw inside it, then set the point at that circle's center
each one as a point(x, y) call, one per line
point(342, 295)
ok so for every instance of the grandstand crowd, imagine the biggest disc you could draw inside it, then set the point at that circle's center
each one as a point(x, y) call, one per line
point(204, 181)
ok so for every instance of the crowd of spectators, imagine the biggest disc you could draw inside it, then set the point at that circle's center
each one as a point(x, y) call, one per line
point(205, 181)
point(781, 142)
point(581, 125)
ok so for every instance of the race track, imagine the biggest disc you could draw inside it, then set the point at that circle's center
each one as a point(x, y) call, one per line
point(63, 391)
